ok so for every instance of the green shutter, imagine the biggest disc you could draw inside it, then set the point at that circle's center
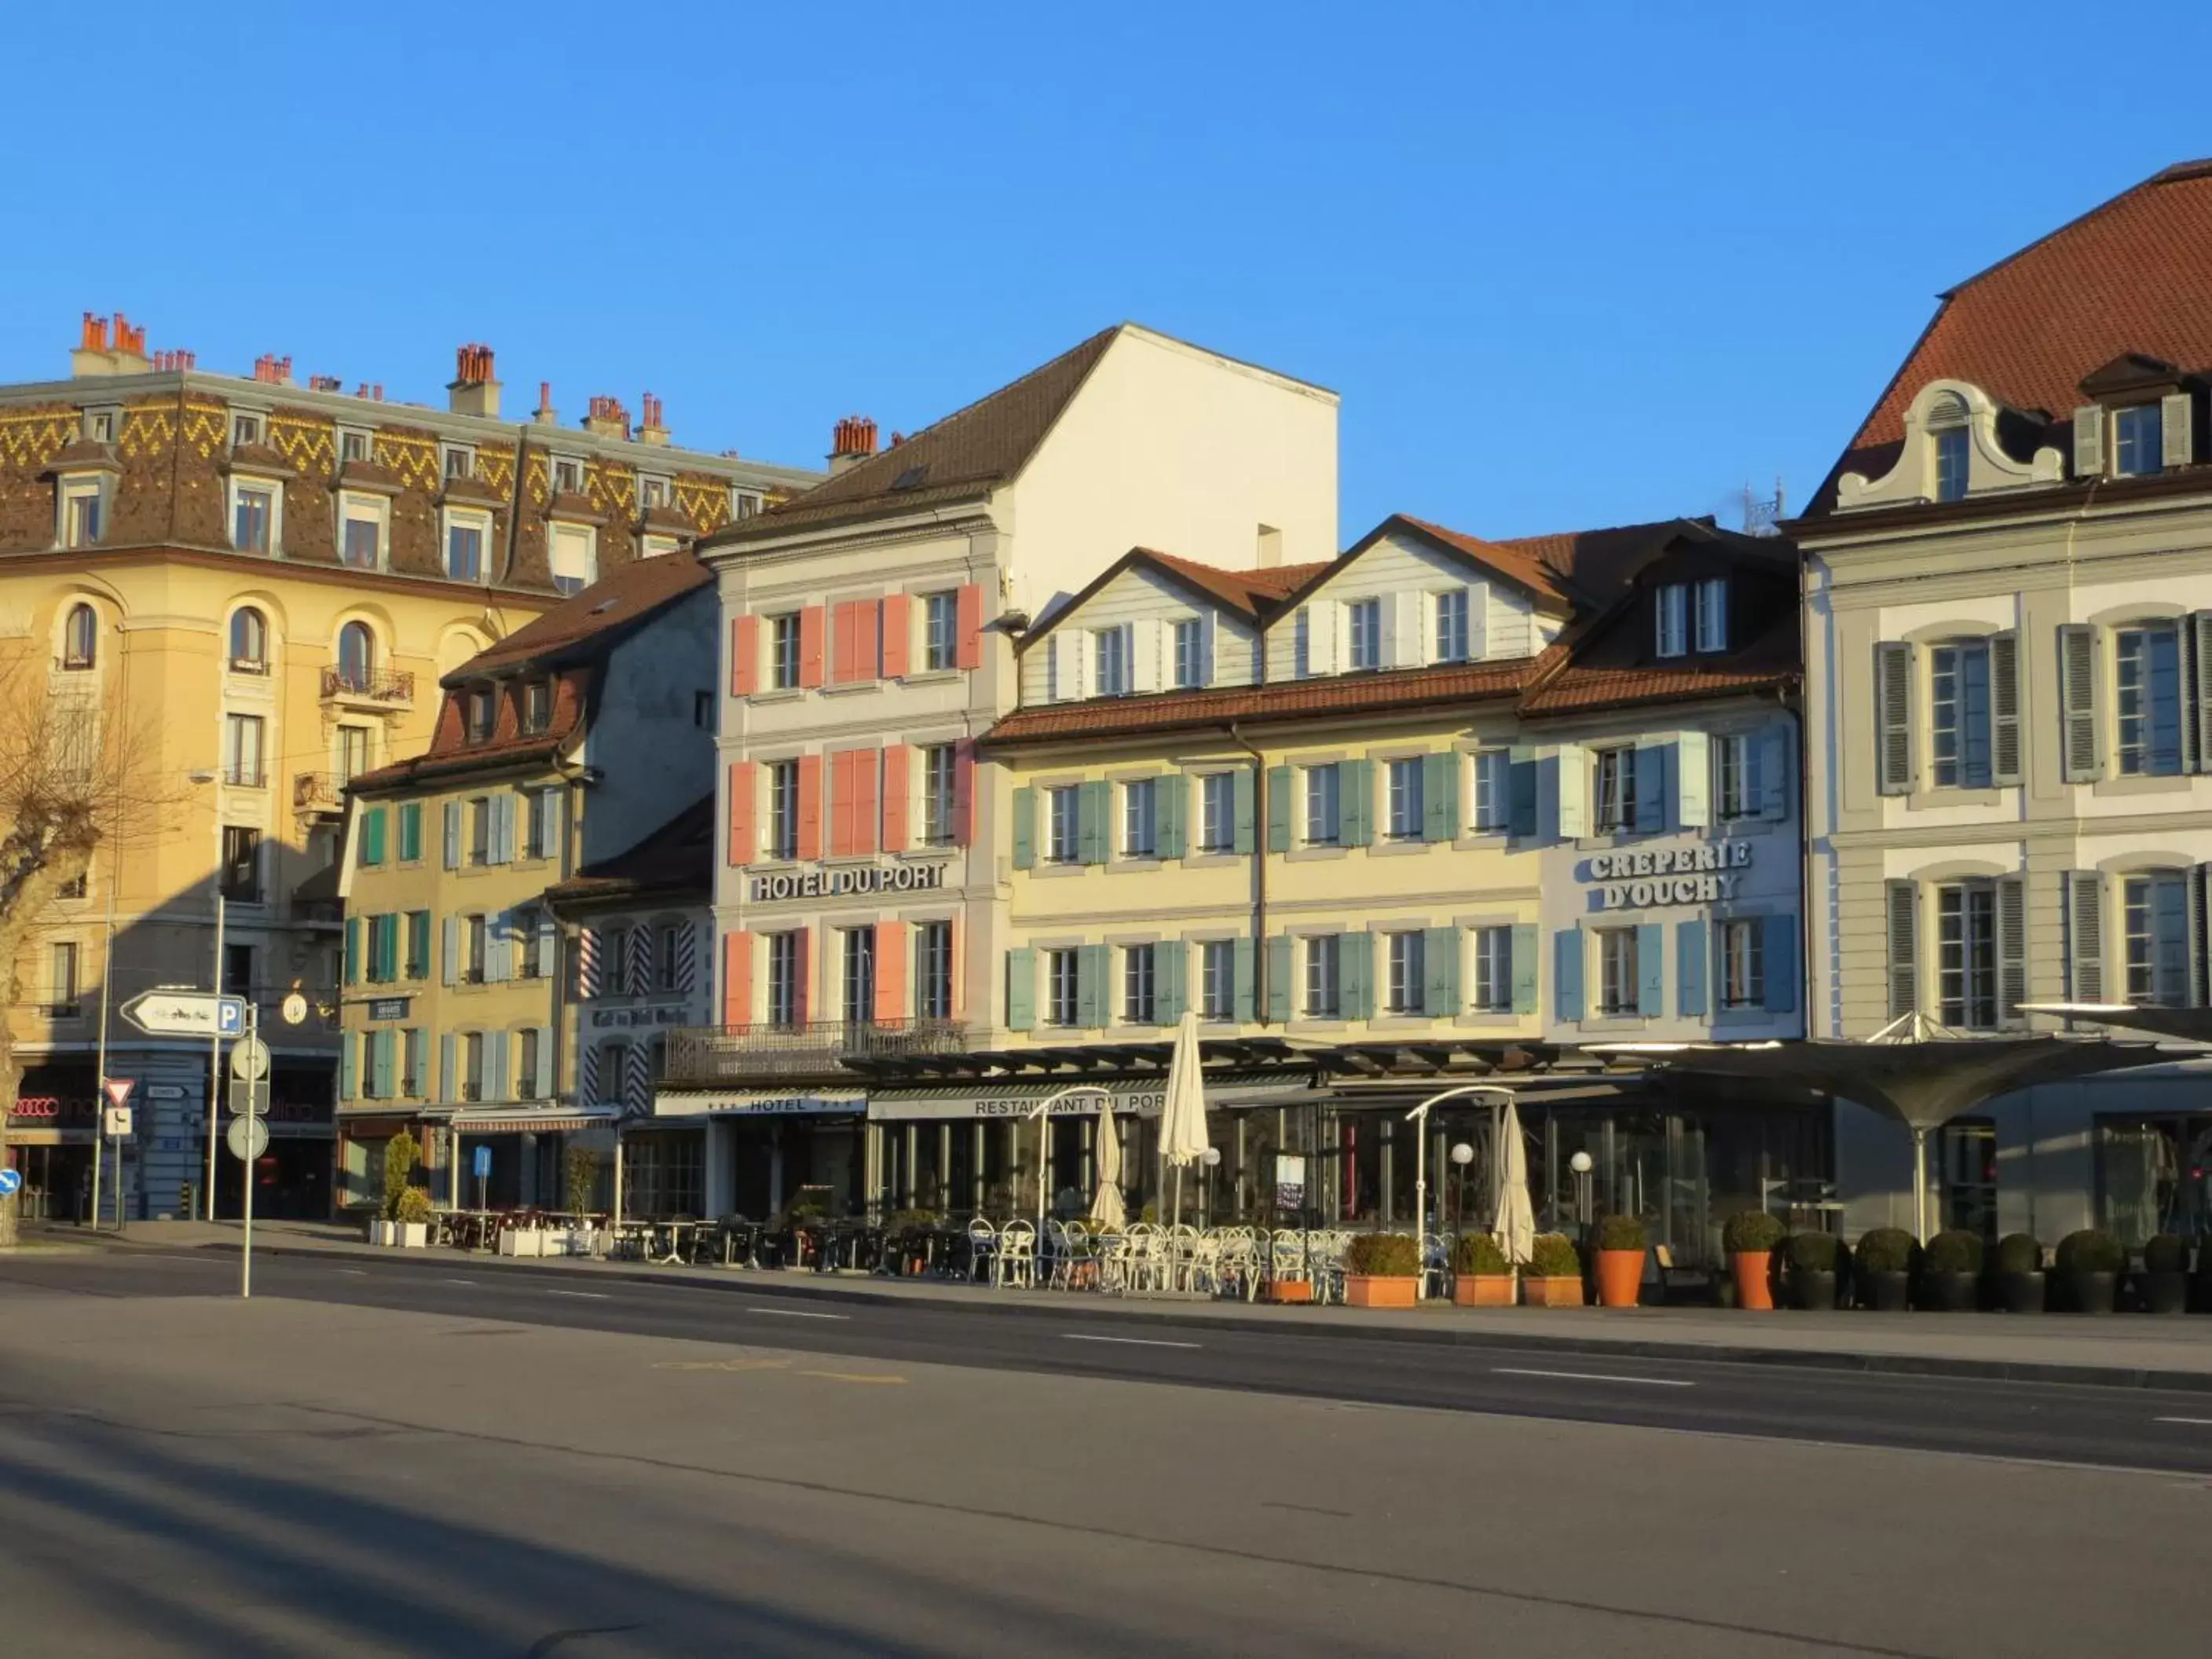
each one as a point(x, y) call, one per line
point(1094, 822)
point(349, 1066)
point(410, 832)
point(445, 1058)
point(353, 964)
point(418, 943)
point(1240, 796)
point(1171, 801)
point(1245, 958)
point(1524, 968)
point(1280, 808)
point(1093, 998)
point(1355, 972)
point(1440, 792)
point(1440, 966)
point(1025, 829)
point(1355, 782)
point(1021, 989)
point(1279, 979)
point(1170, 961)
point(372, 836)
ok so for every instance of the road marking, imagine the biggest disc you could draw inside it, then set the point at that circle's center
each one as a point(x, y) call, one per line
point(2197, 1422)
point(720, 1364)
point(794, 1313)
point(1594, 1377)
point(596, 1296)
point(354, 1272)
point(1129, 1341)
point(460, 1281)
point(853, 1376)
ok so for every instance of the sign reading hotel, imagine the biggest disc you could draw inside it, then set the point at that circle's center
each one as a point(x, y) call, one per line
point(846, 880)
point(1706, 873)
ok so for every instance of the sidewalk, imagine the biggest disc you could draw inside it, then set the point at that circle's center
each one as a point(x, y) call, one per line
point(2126, 1350)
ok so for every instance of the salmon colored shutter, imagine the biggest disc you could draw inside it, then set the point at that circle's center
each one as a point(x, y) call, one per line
point(802, 989)
point(810, 806)
point(841, 802)
point(898, 632)
point(810, 645)
point(963, 793)
point(744, 656)
point(969, 617)
point(841, 642)
point(898, 762)
point(890, 971)
point(737, 979)
point(864, 767)
point(744, 795)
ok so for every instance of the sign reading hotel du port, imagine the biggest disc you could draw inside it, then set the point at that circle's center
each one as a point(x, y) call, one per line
point(846, 880)
point(1706, 873)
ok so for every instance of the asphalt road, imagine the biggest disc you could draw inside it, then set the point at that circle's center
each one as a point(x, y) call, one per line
point(2128, 1428)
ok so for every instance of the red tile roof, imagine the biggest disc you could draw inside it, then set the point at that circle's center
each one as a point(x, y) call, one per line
point(601, 611)
point(1247, 591)
point(1520, 561)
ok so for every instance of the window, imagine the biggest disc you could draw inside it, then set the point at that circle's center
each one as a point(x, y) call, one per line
point(1302, 643)
point(1451, 625)
point(1061, 1002)
point(410, 832)
point(1217, 812)
point(1217, 979)
point(238, 970)
point(534, 944)
point(249, 641)
point(64, 979)
point(1408, 972)
point(1324, 955)
point(1743, 964)
point(667, 954)
point(1139, 818)
point(81, 638)
point(414, 1051)
point(537, 705)
point(1493, 804)
point(2157, 916)
point(525, 1067)
point(373, 822)
point(2149, 670)
point(1619, 982)
point(1951, 455)
point(1671, 612)
point(1323, 820)
point(783, 988)
point(1711, 609)
point(783, 650)
point(932, 969)
point(783, 809)
point(1967, 964)
point(568, 476)
point(1110, 653)
point(384, 948)
point(1958, 719)
point(472, 1066)
point(1408, 820)
point(418, 944)
point(245, 429)
point(461, 461)
point(99, 425)
point(241, 865)
point(2138, 441)
point(465, 540)
point(479, 707)
point(1139, 966)
point(72, 889)
point(575, 558)
point(1365, 616)
point(353, 752)
point(1737, 791)
point(356, 656)
point(1493, 969)
point(541, 833)
point(252, 512)
point(1063, 825)
point(1616, 789)
point(362, 544)
point(702, 710)
point(940, 630)
point(242, 751)
point(940, 783)
point(1189, 654)
point(472, 949)
point(652, 493)
point(81, 514)
point(353, 446)
point(480, 831)
point(859, 975)
point(744, 504)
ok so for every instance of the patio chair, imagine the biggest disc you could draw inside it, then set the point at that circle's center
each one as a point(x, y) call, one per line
point(1015, 1260)
point(982, 1250)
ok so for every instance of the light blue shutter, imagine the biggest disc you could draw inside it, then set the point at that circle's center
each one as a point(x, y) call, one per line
point(1170, 963)
point(496, 1046)
point(1355, 782)
point(1094, 822)
point(1567, 945)
point(1690, 959)
point(1243, 829)
point(503, 827)
point(1093, 996)
point(1244, 979)
point(1279, 979)
point(1025, 829)
point(1355, 973)
point(498, 945)
point(449, 962)
point(1521, 770)
point(557, 826)
point(1021, 989)
point(349, 1068)
point(1440, 792)
point(1780, 964)
point(1170, 798)
point(446, 1065)
point(453, 823)
point(1778, 778)
point(1281, 780)
point(380, 1063)
point(1651, 968)
point(1524, 968)
point(1651, 787)
point(1440, 965)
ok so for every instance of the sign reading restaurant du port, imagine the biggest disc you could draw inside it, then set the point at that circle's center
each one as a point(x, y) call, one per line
point(846, 880)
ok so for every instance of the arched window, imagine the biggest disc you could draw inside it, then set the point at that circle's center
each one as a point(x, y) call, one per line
point(356, 656)
point(81, 638)
point(249, 641)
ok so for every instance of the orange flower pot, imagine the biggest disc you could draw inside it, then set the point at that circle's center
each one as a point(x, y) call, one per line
point(1483, 1290)
point(1286, 1289)
point(1565, 1293)
point(1619, 1277)
point(1379, 1290)
point(1754, 1288)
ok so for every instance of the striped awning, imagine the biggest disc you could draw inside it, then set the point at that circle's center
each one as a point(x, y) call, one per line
point(534, 1123)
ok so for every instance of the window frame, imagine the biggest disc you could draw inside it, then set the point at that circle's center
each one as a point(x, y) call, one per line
point(1363, 621)
point(271, 495)
point(247, 616)
point(1110, 675)
point(1739, 953)
point(1405, 781)
point(1961, 740)
point(1670, 621)
point(2147, 719)
point(1613, 800)
point(2149, 959)
point(1620, 984)
point(1139, 985)
point(932, 969)
point(940, 793)
point(81, 638)
point(79, 512)
point(373, 511)
point(1975, 901)
point(476, 522)
point(1321, 985)
point(237, 726)
point(940, 631)
point(2141, 428)
point(1405, 976)
point(1063, 1005)
point(783, 809)
point(1952, 462)
point(1492, 988)
point(1451, 640)
point(1189, 653)
point(1217, 979)
point(1063, 840)
point(1322, 805)
point(1217, 812)
point(783, 650)
point(1141, 818)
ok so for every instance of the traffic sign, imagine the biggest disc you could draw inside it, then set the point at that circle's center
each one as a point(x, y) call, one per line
point(249, 1096)
point(294, 1009)
point(117, 1124)
point(247, 1139)
point(482, 1162)
point(118, 1090)
point(186, 1014)
point(9, 1180)
point(249, 1059)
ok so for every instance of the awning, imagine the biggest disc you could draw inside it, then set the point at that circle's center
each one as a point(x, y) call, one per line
point(1140, 1097)
point(534, 1123)
point(2190, 1024)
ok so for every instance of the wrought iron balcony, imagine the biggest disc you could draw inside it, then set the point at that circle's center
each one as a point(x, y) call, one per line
point(392, 687)
point(704, 1056)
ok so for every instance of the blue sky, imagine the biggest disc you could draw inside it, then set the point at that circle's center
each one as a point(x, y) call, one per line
point(1568, 264)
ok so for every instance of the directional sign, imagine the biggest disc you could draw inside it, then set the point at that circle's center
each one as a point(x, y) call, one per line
point(118, 1090)
point(9, 1180)
point(186, 1014)
point(118, 1125)
point(250, 1059)
point(247, 1139)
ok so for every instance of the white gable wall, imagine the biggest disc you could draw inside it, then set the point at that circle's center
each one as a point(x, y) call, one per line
point(1406, 575)
point(1150, 605)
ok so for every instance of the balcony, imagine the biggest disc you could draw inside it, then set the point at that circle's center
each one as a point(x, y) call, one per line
point(707, 1056)
point(374, 688)
point(318, 794)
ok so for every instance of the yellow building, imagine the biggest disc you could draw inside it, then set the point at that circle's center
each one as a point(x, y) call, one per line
point(262, 582)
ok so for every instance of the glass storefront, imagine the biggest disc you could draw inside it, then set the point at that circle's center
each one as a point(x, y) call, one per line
point(2154, 1175)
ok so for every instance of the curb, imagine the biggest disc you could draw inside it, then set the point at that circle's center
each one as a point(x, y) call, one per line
point(1869, 1364)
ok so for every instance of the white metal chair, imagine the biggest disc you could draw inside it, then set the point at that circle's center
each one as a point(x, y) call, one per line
point(982, 1251)
point(1015, 1261)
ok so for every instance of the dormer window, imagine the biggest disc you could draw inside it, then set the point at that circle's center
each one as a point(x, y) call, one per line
point(567, 477)
point(2138, 441)
point(1951, 454)
point(98, 426)
point(1671, 620)
point(1110, 647)
point(245, 429)
point(479, 711)
point(652, 493)
point(1711, 609)
point(461, 461)
point(1451, 625)
point(537, 705)
point(1365, 619)
point(353, 446)
point(1189, 654)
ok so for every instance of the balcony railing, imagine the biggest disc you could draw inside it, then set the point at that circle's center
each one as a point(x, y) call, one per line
point(699, 1056)
point(385, 685)
point(317, 791)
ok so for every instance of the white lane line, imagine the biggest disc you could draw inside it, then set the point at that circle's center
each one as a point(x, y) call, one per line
point(595, 1296)
point(794, 1313)
point(1128, 1341)
point(2194, 1422)
point(354, 1272)
point(1594, 1377)
point(460, 1281)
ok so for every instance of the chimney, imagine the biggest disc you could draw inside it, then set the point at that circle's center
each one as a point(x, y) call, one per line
point(92, 355)
point(652, 429)
point(545, 413)
point(852, 442)
point(473, 391)
point(271, 370)
point(131, 347)
point(608, 419)
point(325, 383)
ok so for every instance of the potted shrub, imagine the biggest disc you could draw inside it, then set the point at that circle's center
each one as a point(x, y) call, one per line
point(2019, 1273)
point(401, 1155)
point(2164, 1281)
point(1749, 1238)
point(1382, 1270)
point(1554, 1275)
point(1481, 1276)
point(1621, 1244)
point(2089, 1264)
point(1951, 1272)
point(414, 1220)
point(1881, 1265)
point(1813, 1259)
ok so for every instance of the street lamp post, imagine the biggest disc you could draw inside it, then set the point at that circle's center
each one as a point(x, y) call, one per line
point(1462, 1155)
point(1420, 1114)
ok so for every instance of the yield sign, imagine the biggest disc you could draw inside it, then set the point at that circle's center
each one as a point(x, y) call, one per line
point(118, 1090)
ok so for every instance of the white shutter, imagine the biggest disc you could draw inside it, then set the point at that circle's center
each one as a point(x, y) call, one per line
point(2088, 441)
point(1142, 645)
point(1339, 620)
point(1070, 664)
point(1478, 621)
point(1693, 771)
point(2177, 429)
point(1410, 628)
point(1208, 627)
point(1324, 621)
point(1571, 770)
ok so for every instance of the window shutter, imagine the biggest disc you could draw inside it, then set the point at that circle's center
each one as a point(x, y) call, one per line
point(1440, 793)
point(963, 792)
point(387, 954)
point(1410, 649)
point(737, 979)
point(1070, 664)
point(744, 794)
point(2177, 429)
point(2085, 936)
point(1572, 769)
point(1356, 801)
point(372, 837)
point(496, 947)
point(1521, 774)
point(2077, 700)
point(496, 1044)
point(1094, 822)
point(1651, 968)
point(898, 631)
point(1693, 775)
point(1355, 975)
point(1650, 787)
point(353, 961)
point(1143, 646)
point(452, 825)
point(1893, 692)
point(2012, 949)
point(1244, 963)
point(1093, 963)
point(1777, 775)
point(744, 656)
point(967, 627)
point(810, 806)
point(1281, 782)
point(449, 964)
point(1021, 989)
point(898, 795)
point(1171, 798)
point(446, 1047)
point(1243, 827)
point(2199, 894)
point(1025, 812)
point(2004, 707)
point(2088, 441)
point(1279, 979)
point(502, 808)
point(1170, 961)
point(1440, 998)
point(1689, 968)
point(1525, 935)
point(1567, 980)
point(2200, 630)
point(556, 825)
point(1903, 917)
point(1320, 617)
point(387, 1045)
point(348, 1075)
point(811, 621)
point(892, 1003)
point(1780, 953)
